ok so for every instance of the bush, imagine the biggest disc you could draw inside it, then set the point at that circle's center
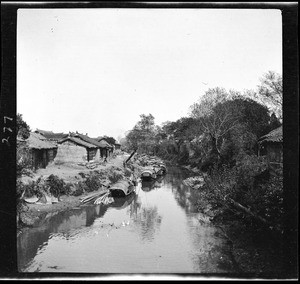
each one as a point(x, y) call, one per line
point(57, 186)
point(80, 188)
point(127, 172)
point(92, 182)
point(115, 174)
point(28, 190)
point(250, 184)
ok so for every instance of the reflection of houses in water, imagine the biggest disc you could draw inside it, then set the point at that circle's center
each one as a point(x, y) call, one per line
point(31, 240)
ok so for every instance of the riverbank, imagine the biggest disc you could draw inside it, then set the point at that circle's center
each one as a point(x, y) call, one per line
point(34, 214)
point(253, 249)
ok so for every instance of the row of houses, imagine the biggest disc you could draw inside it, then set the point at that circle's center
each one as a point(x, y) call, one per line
point(46, 146)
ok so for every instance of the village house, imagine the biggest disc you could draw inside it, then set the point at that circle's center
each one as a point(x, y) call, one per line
point(117, 146)
point(75, 150)
point(41, 151)
point(103, 148)
point(109, 147)
point(271, 146)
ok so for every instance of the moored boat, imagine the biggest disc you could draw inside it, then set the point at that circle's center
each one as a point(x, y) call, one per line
point(121, 188)
point(148, 174)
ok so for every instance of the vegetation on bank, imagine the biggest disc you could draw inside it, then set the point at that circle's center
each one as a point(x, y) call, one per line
point(219, 137)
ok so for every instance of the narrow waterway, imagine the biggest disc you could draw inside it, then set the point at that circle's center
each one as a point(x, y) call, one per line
point(154, 230)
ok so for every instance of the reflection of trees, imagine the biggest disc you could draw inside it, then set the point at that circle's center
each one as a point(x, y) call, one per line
point(135, 206)
point(187, 198)
point(184, 195)
point(147, 221)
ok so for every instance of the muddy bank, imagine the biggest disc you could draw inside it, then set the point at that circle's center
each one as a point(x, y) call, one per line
point(34, 214)
point(82, 180)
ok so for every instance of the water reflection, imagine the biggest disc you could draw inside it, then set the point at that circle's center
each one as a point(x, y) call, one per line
point(184, 195)
point(148, 185)
point(66, 224)
point(152, 184)
point(147, 221)
point(155, 229)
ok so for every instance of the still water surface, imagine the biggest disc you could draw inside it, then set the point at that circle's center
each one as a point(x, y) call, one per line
point(154, 230)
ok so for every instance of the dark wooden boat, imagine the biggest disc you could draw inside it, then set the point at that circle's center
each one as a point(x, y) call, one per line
point(163, 168)
point(148, 174)
point(121, 188)
point(121, 203)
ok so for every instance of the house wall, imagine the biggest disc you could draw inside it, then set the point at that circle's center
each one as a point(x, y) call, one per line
point(39, 158)
point(92, 154)
point(104, 152)
point(97, 156)
point(69, 152)
point(51, 154)
point(273, 151)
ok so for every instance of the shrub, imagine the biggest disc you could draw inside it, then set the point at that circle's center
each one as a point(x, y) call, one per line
point(57, 186)
point(80, 188)
point(250, 184)
point(92, 182)
point(127, 172)
point(115, 174)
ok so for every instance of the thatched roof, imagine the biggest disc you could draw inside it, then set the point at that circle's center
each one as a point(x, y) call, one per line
point(51, 135)
point(87, 139)
point(78, 141)
point(275, 135)
point(105, 144)
point(35, 143)
point(38, 136)
point(102, 139)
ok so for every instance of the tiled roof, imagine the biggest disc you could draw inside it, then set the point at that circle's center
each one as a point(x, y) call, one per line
point(275, 135)
point(78, 141)
point(35, 143)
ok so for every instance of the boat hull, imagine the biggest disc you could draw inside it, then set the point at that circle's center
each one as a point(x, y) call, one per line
point(148, 175)
point(121, 189)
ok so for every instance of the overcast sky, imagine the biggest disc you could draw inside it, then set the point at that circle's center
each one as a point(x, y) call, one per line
point(97, 70)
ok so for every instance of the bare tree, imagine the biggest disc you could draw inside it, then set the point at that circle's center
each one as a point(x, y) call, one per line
point(270, 92)
point(215, 116)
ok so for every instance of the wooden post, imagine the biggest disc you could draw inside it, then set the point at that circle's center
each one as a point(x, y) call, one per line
point(130, 156)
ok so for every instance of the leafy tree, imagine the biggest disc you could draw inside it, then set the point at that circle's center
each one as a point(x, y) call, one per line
point(215, 117)
point(231, 122)
point(143, 134)
point(270, 91)
point(110, 140)
point(23, 157)
point(23, 129)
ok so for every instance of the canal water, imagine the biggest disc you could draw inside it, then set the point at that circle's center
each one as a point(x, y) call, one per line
point(154, 230)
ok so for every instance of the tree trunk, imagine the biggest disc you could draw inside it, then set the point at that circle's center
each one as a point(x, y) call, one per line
point(214, 145)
